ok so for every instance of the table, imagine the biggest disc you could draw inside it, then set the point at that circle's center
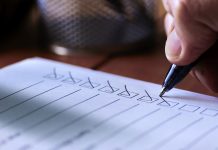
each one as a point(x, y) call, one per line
point(148, 66)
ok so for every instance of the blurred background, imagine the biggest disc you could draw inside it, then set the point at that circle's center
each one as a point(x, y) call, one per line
point(80, 25)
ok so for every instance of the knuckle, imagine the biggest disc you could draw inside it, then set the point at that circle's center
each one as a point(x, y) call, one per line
point(181, 7)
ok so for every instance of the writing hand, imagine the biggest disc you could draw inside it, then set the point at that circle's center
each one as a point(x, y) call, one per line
point(192, 27)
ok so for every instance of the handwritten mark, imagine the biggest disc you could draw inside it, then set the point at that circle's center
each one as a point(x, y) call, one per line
point(127, 91)
point(108, 88)
point(54, 75)
point(71, 79)
point(148, 95)
point(147, 98)
point(127, 94)
point(89, 84)
point(112, 89)
point(170, 104)
point(165, 101)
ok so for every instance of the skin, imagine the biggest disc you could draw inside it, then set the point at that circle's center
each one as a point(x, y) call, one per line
point(192, 27)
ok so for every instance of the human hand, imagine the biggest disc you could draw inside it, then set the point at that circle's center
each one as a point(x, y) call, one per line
point(192, 27)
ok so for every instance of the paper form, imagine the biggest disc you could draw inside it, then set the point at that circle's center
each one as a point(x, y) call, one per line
point(54, 106)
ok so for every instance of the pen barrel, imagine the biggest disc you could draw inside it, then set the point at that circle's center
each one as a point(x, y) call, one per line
point(175, 75)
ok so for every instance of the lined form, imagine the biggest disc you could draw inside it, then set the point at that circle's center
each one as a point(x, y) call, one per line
point(53, 106)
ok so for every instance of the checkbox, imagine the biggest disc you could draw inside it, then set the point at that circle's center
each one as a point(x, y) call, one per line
point(128, 94)
point(90, 85)
point(209, 112)
point(71, 80)
point(54, 76)
point(168, 104)
point(189, 108)
point(108, 89)
point(147, 99)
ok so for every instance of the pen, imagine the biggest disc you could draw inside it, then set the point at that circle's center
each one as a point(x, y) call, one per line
point(174, 75)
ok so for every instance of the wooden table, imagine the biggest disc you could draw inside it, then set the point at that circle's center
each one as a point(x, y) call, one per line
point(149, 66)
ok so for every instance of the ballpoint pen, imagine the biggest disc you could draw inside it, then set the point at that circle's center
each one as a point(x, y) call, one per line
point(174, 76)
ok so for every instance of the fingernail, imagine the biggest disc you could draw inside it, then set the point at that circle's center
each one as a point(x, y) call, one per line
point(173, 45)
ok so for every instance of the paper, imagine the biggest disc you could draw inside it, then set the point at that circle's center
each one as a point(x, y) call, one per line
point(50, 105)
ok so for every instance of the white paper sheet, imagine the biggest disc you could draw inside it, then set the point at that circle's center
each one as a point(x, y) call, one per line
point(50, 105)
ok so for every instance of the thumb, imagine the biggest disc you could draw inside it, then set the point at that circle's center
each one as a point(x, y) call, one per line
point(190, 37)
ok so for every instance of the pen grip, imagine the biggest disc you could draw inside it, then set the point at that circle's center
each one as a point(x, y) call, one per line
point(176, 74)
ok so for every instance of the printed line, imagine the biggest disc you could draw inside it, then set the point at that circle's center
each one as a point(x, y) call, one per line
point(133, 122)
point(209, 112)
point(29, 99)
point(56, 114)
point(47, 119)
point(87, 131)
point(25, 147)
point(21, 90)
point(189, 108)
point(134, 140)
point(103, 140)
point(70, 141)
point(113, 116)
point(37, 109)
point(174, 135)
point(59, 129)
point(199, 138)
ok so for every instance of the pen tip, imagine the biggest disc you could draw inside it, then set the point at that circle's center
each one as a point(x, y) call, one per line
point(162, 92)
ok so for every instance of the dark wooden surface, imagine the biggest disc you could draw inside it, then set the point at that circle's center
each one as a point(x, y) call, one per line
point(148, 66)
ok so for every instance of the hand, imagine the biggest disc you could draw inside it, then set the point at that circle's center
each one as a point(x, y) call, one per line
point(192, 31)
